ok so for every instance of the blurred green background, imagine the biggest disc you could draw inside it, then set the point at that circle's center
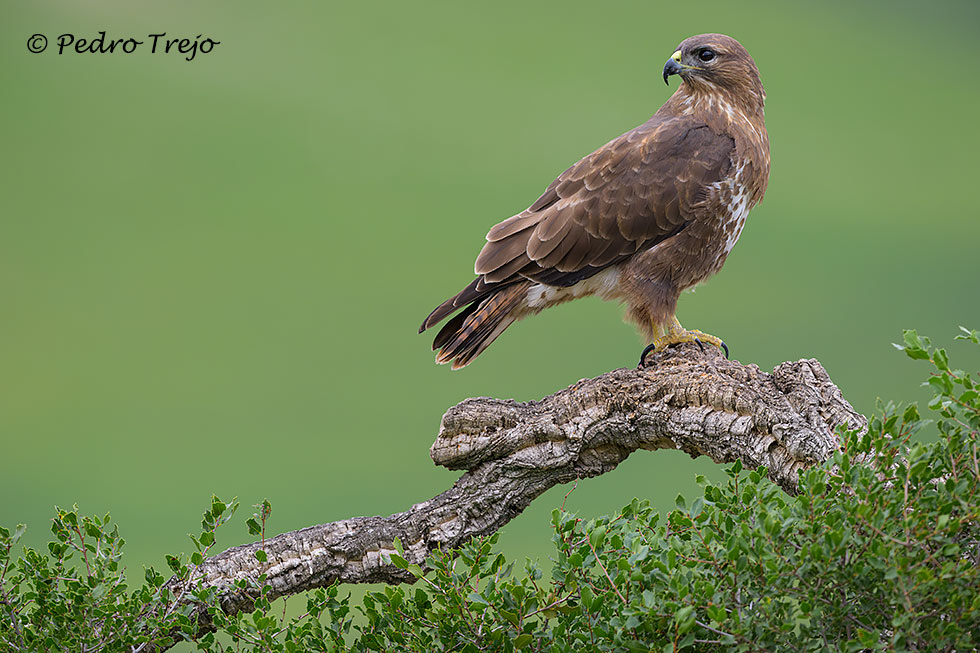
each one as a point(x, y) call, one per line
point(212, 272)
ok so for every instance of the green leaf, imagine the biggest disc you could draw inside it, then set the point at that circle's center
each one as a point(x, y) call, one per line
point(398, 561)
point(586, 592)
point(598, 536)
point(649, 599)
point(697, 506)
point(523, 640)
point(967, 334)
point(511, 617)
point(684, 618)
point(911, 413)
point(473, 597)
point(260, 555)
point(716, 613)
point(913, 341)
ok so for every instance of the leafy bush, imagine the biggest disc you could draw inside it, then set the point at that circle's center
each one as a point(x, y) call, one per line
point(880, 550)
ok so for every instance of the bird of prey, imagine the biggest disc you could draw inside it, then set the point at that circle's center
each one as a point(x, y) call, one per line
point(649, 214)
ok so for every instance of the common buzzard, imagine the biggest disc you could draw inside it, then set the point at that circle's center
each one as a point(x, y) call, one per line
point(647, 215)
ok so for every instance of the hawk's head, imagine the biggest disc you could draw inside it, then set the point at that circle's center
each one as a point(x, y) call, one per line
point(715, 62)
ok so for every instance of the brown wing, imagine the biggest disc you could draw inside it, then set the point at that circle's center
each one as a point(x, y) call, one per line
point(628, 195)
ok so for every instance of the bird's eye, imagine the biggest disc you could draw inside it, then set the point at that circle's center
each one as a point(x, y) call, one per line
point(706, 54)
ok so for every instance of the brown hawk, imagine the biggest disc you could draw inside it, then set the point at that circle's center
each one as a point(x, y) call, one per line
point(647, 215)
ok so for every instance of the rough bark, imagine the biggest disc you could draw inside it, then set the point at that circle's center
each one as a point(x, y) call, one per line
point(685, 399)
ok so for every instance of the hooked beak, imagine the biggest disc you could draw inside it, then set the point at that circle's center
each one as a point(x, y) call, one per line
point(674, 66)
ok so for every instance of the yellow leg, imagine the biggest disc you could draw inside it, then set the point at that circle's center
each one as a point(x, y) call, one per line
point(672, 333)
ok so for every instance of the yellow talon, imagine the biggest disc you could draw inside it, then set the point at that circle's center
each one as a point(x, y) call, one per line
point(673, 333)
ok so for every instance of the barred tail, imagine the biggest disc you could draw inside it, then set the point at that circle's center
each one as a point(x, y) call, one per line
point(465, 336)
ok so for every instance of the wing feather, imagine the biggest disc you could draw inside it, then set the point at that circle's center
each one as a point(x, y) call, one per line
point(513, 225)
point(502, 254)
point(581, 250)
point(511, 270)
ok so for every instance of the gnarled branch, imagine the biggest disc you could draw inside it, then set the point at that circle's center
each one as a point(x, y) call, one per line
point(685, 399)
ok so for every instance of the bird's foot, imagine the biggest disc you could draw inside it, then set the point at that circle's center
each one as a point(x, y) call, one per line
point(676, 336)
point(701, 338)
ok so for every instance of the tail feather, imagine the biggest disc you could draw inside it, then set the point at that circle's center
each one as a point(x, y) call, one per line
point(470, 332)
point(449, 330)
point(471, 293)
point(466, 357)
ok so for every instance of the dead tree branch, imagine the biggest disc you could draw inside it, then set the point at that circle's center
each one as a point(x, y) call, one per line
point(512, 452)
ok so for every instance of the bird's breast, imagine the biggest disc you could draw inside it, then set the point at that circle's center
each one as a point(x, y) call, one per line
point(735, 204)
point(709, 239)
